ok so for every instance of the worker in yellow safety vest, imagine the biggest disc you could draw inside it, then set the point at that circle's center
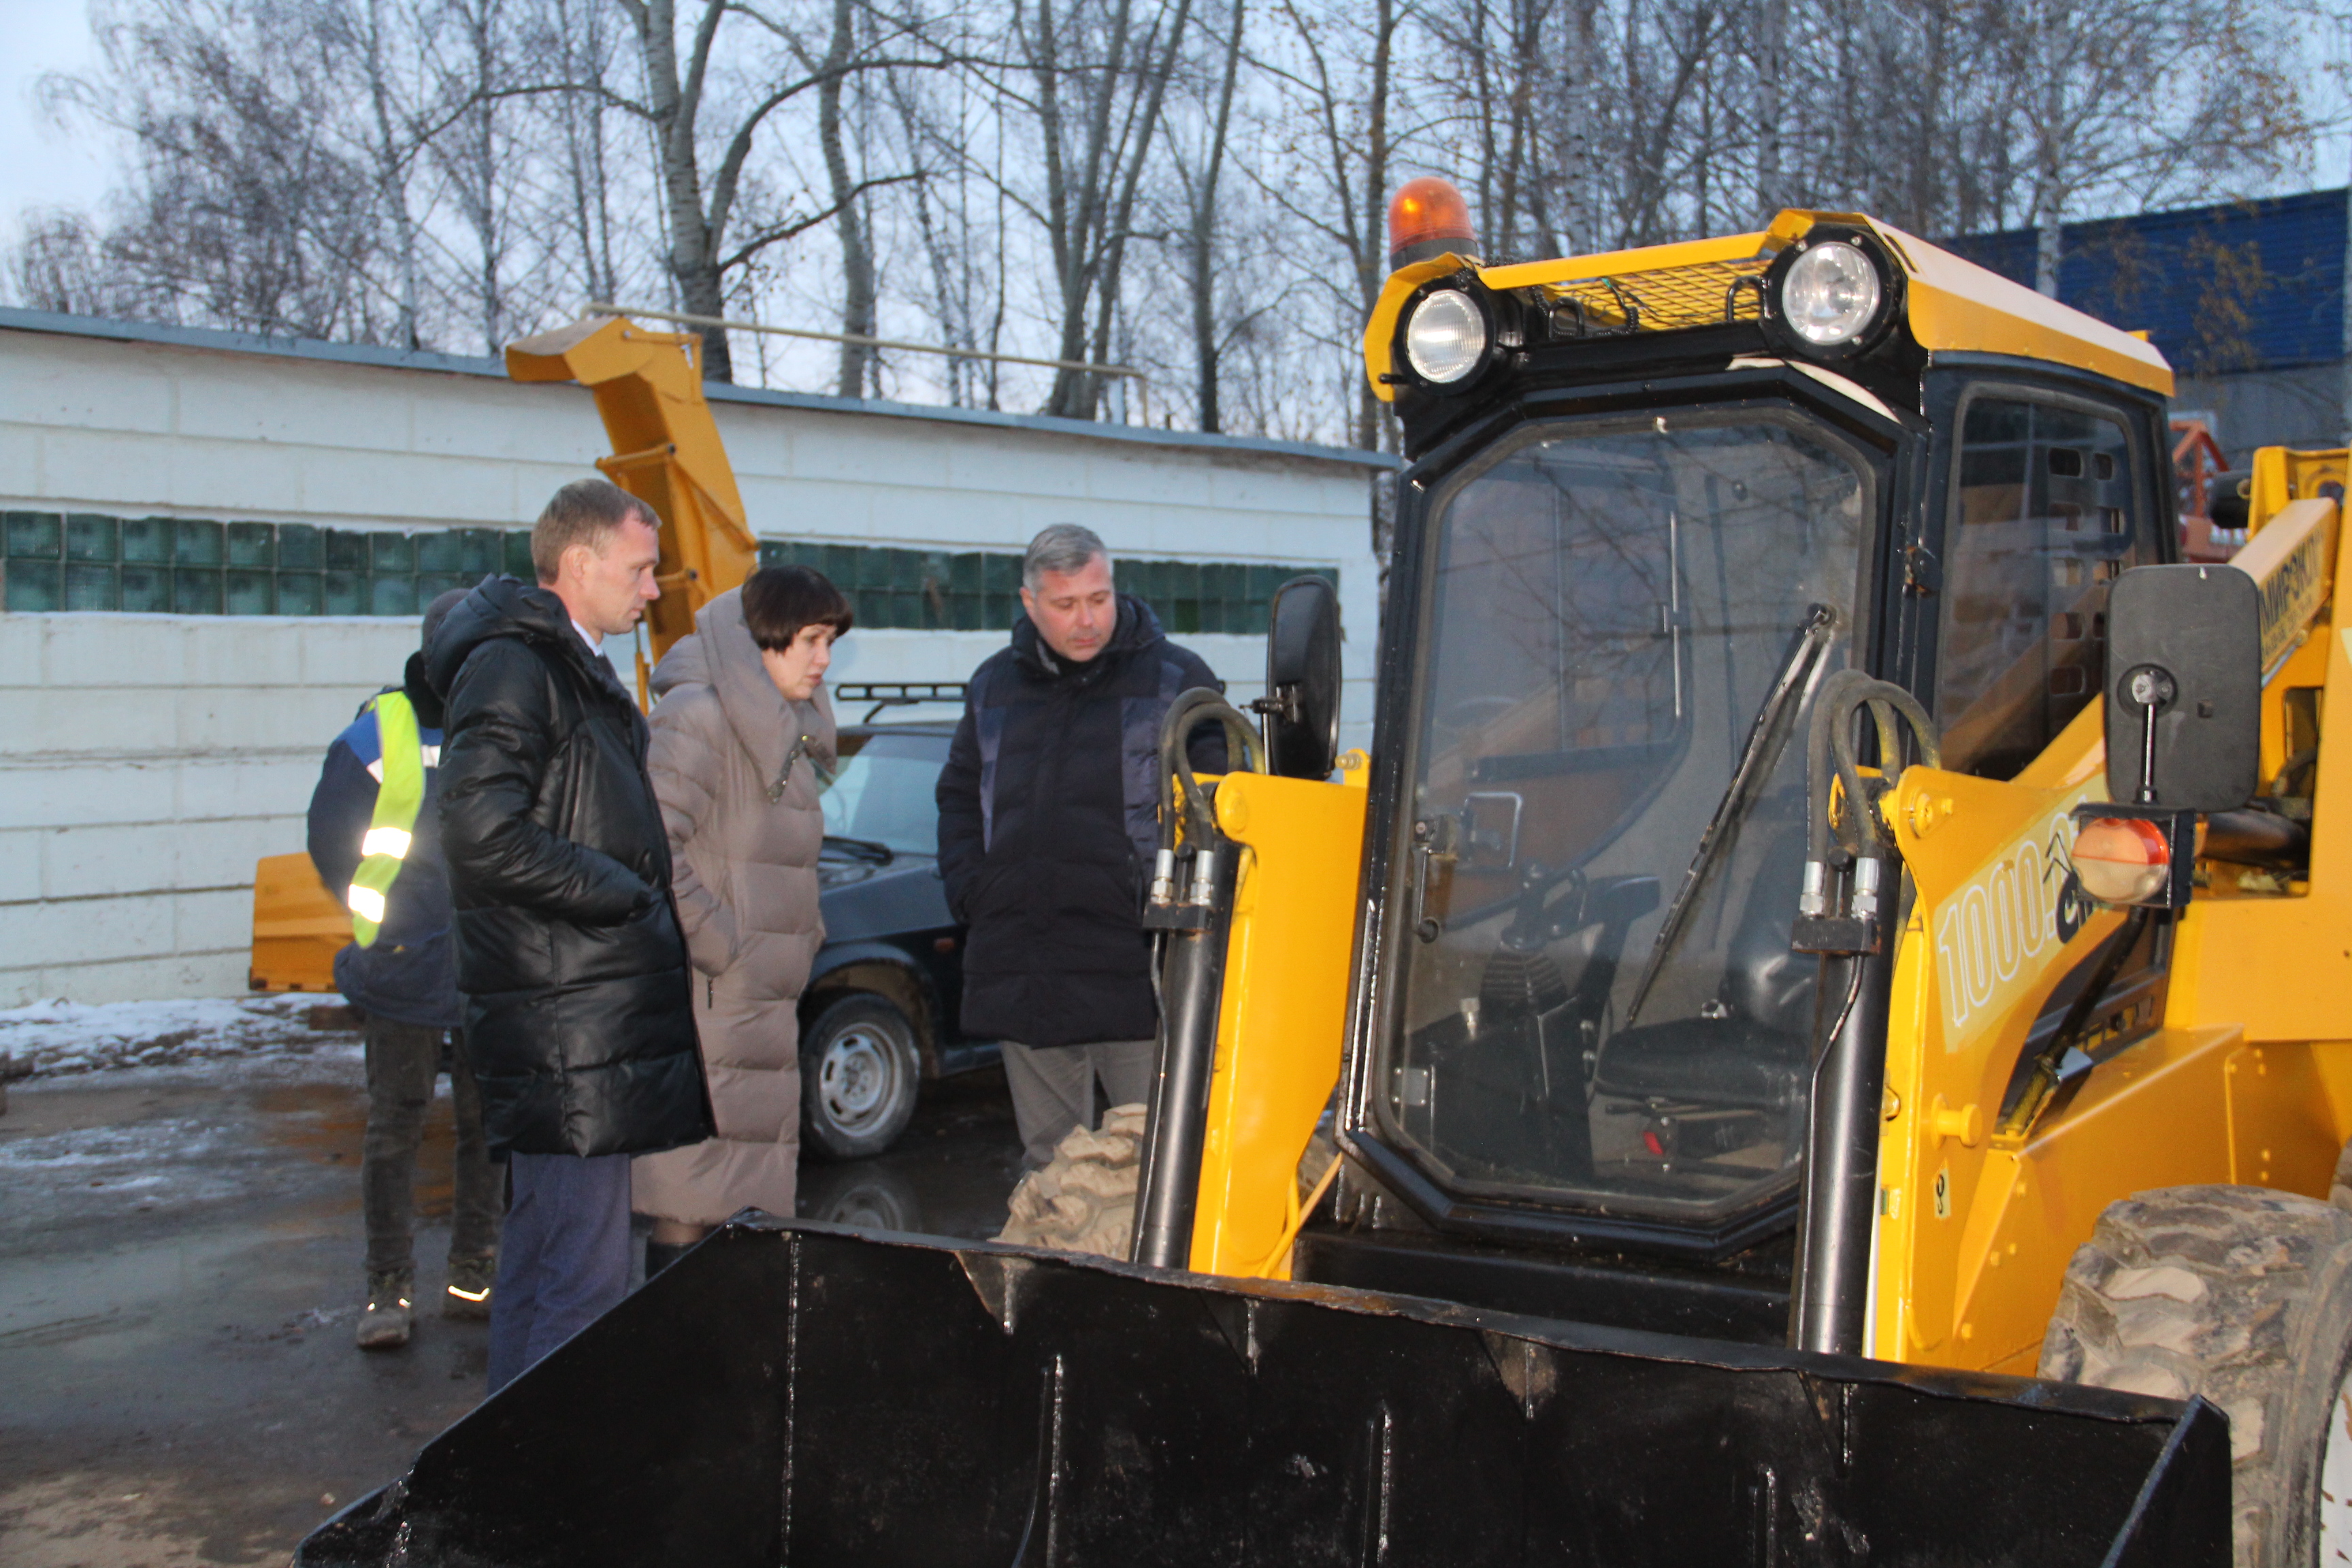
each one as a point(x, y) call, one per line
point(374, 839)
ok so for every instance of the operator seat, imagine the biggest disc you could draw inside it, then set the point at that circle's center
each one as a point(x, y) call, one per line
point(1755, 1052)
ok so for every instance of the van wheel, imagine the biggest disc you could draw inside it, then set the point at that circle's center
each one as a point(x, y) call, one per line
point(858, 1078)
point(1083, 1199)
point(2244, 1295)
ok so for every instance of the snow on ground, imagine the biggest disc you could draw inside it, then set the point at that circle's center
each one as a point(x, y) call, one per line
point(50, 1039)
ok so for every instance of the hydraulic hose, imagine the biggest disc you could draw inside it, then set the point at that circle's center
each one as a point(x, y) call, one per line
point(1185, 714)
point(1830, 754)
point(2041, 1080)
point(1189, 979)
point(1830, 1289)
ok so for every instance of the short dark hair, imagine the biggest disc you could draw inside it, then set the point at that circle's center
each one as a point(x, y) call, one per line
point(779, 601)
point(438, 611)
point(585, 511)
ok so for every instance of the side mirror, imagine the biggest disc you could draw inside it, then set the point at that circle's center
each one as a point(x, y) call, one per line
point(1301, 705)
point(2184, 688)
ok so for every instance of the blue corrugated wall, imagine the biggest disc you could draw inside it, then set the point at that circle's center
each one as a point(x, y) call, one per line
point(2253, 285)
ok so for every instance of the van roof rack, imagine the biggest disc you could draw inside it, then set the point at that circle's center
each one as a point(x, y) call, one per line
point(897, 694)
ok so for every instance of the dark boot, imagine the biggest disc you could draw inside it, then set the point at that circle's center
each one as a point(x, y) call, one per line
point(468, 1295)
point(660, 1255)
point(384, 1323)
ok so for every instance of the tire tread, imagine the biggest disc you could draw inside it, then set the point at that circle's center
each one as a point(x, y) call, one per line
point(2212, 1291)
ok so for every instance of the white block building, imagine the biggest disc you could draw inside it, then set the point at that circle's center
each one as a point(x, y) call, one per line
point(147, 760)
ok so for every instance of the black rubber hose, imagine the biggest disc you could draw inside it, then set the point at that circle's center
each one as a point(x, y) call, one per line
point(1830, 712)
point(1830, 747)
point(1175, 727)
point(1184, 715)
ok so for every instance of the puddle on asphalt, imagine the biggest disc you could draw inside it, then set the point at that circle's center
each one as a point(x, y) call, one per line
point(207, 1309)
point(77, 1151)
point(327, 1124)
point(948, 1175)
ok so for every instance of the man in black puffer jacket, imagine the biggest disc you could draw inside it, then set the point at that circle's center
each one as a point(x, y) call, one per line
point(579, 1022)
point(1048, 823)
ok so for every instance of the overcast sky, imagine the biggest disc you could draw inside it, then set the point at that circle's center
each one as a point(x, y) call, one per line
point(41, 166)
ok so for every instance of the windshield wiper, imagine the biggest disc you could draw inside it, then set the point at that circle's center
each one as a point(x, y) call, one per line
point(880, 854)
point(1765, 737)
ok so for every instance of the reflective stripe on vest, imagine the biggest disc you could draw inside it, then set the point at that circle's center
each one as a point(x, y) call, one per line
point(398, 798)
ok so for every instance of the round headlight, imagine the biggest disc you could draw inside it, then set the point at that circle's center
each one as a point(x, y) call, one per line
point(1446, 337)
point(1831, 295)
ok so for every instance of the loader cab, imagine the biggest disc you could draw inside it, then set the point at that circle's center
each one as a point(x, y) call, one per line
point(1645, 515)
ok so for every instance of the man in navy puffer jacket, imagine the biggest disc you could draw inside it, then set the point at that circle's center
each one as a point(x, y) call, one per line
point(1048, 825)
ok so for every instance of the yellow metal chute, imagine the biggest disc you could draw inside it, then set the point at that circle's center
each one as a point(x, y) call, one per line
point(665, 451)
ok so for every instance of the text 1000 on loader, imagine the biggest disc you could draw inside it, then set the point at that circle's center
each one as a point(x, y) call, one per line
point(1831, 992)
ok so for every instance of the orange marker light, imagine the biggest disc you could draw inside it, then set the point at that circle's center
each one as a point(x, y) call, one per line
point(2122, 860)
point(1427, 217)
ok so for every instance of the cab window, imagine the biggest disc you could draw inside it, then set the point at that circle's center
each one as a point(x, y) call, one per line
point(2046, 510)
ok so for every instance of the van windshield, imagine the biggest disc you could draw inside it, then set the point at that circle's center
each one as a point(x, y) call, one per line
point(1624, 622)
point(882, 790)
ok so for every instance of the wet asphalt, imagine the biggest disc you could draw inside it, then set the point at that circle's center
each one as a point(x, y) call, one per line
point(179, 1275)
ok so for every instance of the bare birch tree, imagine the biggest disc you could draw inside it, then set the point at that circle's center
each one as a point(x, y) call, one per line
point(1198, 169)
point(1089, 81)
point(701, 208)
point(2149, 95)
point(1337, 73)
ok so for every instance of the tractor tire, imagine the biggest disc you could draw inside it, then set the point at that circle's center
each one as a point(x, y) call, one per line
point(2243, 1295)
point(1083, 1199)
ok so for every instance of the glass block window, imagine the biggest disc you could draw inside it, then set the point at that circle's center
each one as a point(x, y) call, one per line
point(194, 566)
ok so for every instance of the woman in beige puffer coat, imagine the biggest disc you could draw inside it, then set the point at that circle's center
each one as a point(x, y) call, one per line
point(739, 729)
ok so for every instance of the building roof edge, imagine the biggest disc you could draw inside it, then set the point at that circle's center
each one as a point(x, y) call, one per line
point(374, 356)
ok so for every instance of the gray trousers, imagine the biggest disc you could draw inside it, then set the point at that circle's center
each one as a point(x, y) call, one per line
point(1054, 1086)
point(403, 1059)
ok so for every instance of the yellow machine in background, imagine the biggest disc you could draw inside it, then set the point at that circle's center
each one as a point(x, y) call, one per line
point(1646, 1023)
point(297, 926)
point(667, 452)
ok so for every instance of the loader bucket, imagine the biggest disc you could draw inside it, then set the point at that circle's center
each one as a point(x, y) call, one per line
point(792, 1392)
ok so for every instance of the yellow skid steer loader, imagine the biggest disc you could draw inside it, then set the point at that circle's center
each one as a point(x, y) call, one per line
point(1837, 923)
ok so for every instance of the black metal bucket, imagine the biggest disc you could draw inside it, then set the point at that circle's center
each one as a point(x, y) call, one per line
point(792, 1392)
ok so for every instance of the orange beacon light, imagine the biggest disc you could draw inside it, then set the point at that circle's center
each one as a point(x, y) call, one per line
point(1427, 217)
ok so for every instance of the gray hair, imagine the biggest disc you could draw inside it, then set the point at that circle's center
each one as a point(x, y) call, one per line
point(1064, 547)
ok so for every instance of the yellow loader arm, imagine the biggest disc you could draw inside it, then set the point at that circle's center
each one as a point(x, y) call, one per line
point(2231, 1077)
